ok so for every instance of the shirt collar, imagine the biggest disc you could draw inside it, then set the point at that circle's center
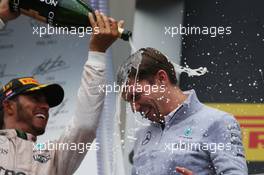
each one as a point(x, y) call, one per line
point(188, 107)
point(171, 114)
point(12, 133)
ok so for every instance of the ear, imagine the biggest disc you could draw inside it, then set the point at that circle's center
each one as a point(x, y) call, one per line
point(9, 107)
point(162, 77)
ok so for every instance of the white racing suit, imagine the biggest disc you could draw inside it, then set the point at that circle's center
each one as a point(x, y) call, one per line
point(18, 156)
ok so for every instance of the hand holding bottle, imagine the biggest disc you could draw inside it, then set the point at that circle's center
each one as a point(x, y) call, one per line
point(107, 31)
point(5, 13)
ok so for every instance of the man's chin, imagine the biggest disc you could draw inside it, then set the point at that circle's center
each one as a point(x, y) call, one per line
point(39, 130)
point(39, 126)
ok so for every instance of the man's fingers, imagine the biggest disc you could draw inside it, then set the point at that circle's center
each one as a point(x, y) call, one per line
point(184, 171)
point(114, 26)
point(99, 20)
point(92, 21)
point(121, 24)
point(108, 33)
point(5, 13)
point(106, 22)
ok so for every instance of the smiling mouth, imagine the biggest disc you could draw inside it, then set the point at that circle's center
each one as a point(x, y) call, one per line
point(41, 116)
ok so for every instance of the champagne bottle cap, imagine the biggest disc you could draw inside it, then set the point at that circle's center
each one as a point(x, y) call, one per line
point(126, 34)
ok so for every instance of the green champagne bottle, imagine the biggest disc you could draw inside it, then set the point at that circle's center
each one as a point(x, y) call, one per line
point(64, 13)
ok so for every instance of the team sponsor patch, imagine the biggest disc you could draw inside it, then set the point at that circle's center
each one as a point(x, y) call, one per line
point(147, 138)
point(8, 86)
point(26, 81)
point(41, 156)
point(8, 93)
point(3, 151)
point(7, 172)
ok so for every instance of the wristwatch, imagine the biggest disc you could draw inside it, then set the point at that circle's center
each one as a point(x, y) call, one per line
point(2, 24)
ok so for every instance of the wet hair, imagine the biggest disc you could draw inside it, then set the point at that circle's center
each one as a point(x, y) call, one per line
point(152, 61)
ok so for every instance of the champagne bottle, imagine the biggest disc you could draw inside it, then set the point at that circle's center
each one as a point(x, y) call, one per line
point(64, 13)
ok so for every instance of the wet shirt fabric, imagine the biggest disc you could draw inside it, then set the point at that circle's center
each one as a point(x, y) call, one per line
point(18, 154)
point(203, 139)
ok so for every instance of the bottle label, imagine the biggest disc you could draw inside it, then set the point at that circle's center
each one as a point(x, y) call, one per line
point(42, 10)
point(51, 16)
point(15, 5)
point(50, 2)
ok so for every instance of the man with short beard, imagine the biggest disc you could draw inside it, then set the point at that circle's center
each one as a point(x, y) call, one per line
point(25, 104)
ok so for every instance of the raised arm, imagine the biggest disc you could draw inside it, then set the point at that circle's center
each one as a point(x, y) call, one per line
point(90, 98)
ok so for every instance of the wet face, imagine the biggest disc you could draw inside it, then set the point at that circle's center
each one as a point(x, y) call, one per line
point(32, 112)
point(146, 99)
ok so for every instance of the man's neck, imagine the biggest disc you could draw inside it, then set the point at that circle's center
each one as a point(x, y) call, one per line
point(176, 99)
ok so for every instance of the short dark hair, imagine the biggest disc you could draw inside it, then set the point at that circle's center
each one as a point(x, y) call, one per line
point(1, 119)
point(15, 98)
point(152, 61)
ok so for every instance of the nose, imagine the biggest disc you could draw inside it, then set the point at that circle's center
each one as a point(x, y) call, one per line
point(135, 106)
point(46, 105)
point(43, 103)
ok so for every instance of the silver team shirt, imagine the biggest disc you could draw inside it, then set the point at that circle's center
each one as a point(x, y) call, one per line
point(203, 139)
